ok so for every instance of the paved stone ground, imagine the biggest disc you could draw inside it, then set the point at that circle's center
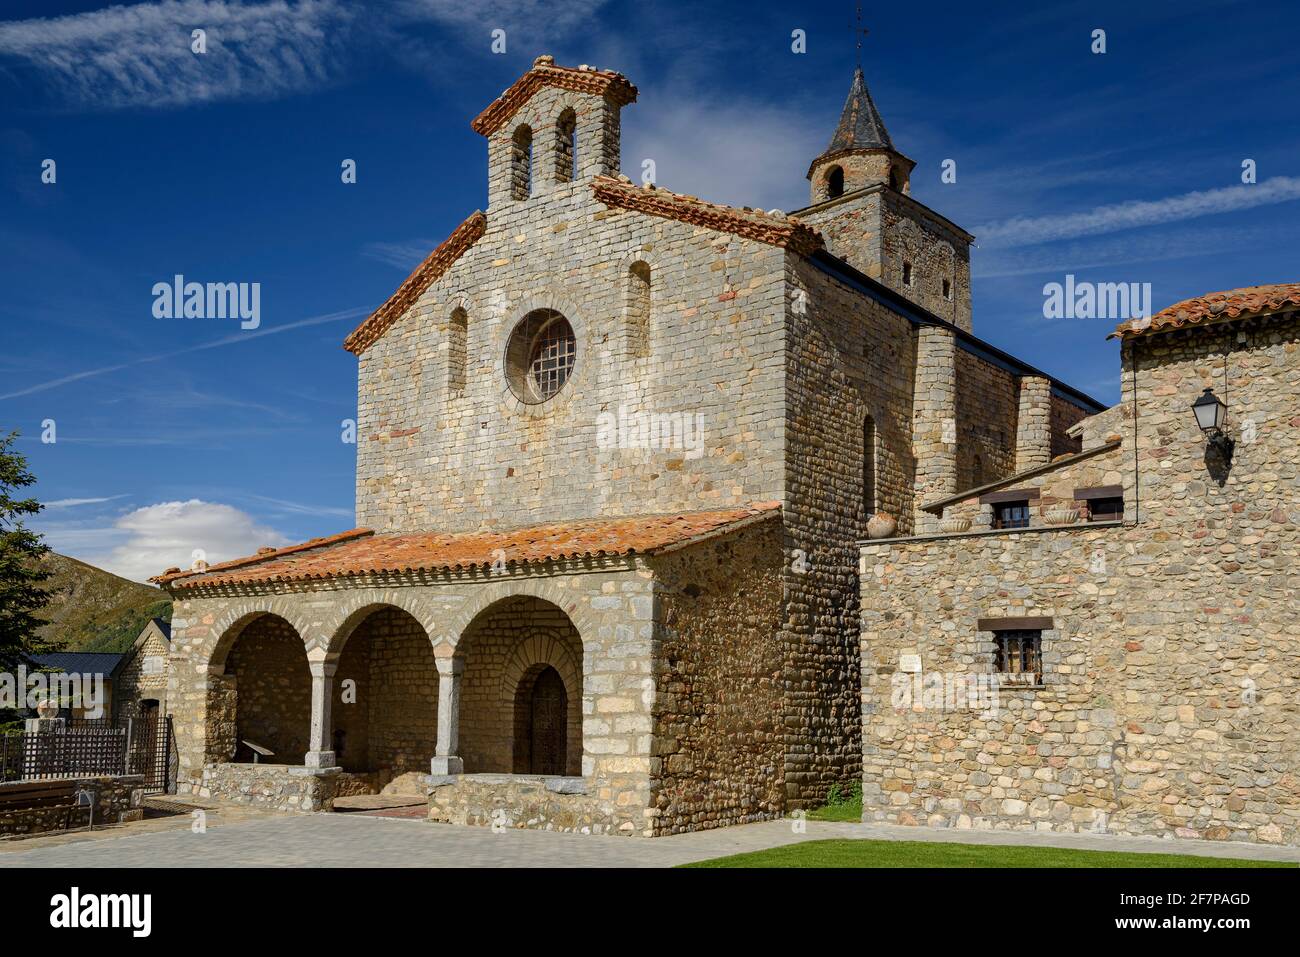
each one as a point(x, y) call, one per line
point(245, 839)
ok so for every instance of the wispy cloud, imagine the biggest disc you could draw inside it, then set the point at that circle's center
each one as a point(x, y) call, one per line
point(145, 541)
point(404, 255)
point(74, 502)
point(1031, 230)
point(245, 336)
point(300, 508)
point(140, 55)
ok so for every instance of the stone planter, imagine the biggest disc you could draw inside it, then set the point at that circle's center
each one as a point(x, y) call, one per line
point(881, 525)
point(1061, 515)
point(952, 525)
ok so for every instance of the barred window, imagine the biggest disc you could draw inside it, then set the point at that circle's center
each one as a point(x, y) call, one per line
point(540, 356)
point(1020, 653)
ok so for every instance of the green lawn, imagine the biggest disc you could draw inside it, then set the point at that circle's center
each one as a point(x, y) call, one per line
point(842, 853)
point(852, 811)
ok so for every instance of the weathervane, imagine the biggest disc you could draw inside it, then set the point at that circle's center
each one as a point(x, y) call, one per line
point(859, 32)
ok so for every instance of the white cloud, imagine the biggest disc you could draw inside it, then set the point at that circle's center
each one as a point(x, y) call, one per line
point(157, 537)
point(140, 55)
point(533, 19)
point(734, 152)
point(1030, 230)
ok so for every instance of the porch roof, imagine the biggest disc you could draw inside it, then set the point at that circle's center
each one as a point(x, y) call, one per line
point(362, 552)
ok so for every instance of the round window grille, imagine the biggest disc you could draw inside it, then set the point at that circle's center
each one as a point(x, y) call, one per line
point(540, 356)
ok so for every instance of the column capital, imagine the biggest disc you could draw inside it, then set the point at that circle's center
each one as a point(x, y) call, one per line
point(323, 668)
point(451, 666)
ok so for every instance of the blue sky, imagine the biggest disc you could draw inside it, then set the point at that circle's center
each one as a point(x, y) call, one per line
point(179, 434)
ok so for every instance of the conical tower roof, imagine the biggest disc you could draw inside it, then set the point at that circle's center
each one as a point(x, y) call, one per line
point(860, 126)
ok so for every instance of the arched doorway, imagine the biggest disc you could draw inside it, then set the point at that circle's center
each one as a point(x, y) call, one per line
point(521, 690)
point(541, 722)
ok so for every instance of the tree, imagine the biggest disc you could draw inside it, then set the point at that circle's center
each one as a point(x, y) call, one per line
point(21, 569)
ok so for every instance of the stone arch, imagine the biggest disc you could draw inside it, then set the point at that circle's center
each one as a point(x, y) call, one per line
point(566, 144)
point(227, 628)
point(834, 181)
point(258, 689)
point(384, 720)
point(511, 640)
point(487, 595)
point(347, 615)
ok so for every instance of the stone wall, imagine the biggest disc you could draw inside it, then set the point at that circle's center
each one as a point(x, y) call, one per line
point(276, 787)
point(721, 684)
point(1168, 704)
point(117, 800)
point(133, 686)
point(506, 801)
point(428, 458)
point(986, 421)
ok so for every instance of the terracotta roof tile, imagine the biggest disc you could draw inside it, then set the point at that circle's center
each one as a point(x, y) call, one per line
point(266, 555)
point(435, 264)
point(361, 552)
point(1213, 307)
point(771, 228)
point(544, 72)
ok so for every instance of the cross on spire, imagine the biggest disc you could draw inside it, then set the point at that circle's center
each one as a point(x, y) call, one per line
point(859, 31)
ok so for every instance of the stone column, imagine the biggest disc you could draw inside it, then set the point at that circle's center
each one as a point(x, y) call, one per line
point(1034, 423)
point(446, 761)
point(934, 422)
point(320, 753)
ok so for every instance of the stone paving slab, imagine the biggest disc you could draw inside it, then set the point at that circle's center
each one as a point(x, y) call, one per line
point(352, 840)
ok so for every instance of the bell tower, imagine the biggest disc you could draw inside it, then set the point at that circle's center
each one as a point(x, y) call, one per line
point(860, 153)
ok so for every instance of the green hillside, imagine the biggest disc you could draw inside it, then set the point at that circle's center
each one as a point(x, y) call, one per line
point(95, 610)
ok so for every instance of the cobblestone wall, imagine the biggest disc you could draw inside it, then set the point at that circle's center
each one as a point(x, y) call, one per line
point(117, 799)
point(720, 734)
point(1168, 704)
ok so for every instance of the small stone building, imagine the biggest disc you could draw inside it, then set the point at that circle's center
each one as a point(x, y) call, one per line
point(1109, 641)
point(616, 450)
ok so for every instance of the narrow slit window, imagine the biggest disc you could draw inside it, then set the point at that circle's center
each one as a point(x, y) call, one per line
point(869, 502)
point(521, 163)
point(566, 147)
point(907, 274)
point(457, 350)
point(638, 309)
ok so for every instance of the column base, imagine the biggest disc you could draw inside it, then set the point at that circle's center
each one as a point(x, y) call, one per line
point(443, 765)
point(319, 759)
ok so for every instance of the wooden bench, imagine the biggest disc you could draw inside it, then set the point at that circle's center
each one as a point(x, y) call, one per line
point(26, 795)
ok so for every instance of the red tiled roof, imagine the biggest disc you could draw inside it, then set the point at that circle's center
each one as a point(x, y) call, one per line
point(544, 72)
point(435, 264)
point(776, 230)
point(1213, 307)
point(267, 554)
point(361, 552)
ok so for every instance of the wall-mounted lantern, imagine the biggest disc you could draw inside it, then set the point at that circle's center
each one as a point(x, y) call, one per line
point(1210, 413)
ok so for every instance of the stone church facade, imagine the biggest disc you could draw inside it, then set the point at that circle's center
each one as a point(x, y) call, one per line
point(618, 449)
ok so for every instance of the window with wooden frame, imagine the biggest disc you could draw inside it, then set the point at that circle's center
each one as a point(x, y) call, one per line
point(1105, 502)
point(1019, 654)
point(1011, 508)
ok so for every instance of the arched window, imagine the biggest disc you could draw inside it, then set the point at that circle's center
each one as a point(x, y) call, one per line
point(566, 147)
point(977, 471)
point(457, 350)
point(869, 503)
point(834, 182)
point(521, 163)
point(638, 309)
